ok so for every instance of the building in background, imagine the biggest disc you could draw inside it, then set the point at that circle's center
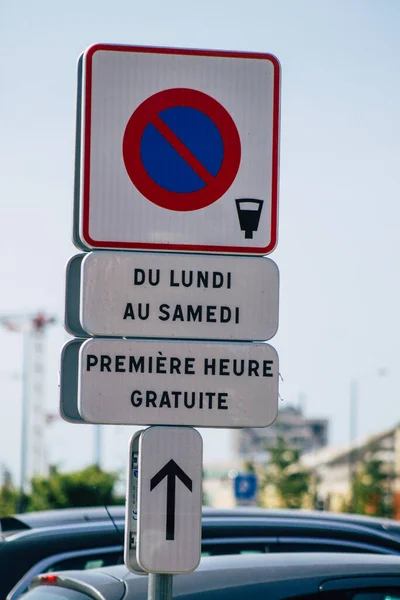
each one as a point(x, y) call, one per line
point(334, 469)
point(299, 432)
point(218, 484)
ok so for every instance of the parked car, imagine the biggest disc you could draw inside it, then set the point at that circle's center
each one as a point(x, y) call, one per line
point(83, 546)
point(259, 577)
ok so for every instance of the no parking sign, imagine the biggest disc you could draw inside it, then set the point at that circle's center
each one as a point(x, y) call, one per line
point(179, 150)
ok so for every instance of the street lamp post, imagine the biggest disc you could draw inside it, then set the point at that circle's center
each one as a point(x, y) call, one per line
point(353, 436)
point(353, 433)
point(24, 420)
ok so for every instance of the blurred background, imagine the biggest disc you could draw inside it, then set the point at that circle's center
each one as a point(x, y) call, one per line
point(336, 441)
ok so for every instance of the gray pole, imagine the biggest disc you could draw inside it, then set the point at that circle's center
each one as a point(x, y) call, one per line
point(353, 410)
point(159, 587)
point(25, 418)
point(97, 446)
point(353, 434)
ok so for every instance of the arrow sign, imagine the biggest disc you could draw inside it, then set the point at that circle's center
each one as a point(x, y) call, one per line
point(169, 500)
point(171, 471)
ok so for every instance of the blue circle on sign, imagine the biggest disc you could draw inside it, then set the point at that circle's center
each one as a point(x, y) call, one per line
point(162, 158)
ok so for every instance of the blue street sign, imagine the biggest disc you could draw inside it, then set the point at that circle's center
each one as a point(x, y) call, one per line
point(245, 486)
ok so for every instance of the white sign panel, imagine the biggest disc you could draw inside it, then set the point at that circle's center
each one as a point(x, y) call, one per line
point(170, 506)
point(179, 296)
point(131, 506)
point(203, 384)
point(179, 150)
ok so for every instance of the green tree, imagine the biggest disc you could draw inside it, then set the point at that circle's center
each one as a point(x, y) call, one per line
point(371, 487)
point(249, 467)
point(285, 473)
point(89, 487)
point(8, 495)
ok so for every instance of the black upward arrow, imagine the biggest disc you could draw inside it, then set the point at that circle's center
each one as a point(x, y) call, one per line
point(171, 471)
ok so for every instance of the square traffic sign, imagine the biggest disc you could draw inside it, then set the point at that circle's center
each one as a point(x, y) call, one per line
point(179, 150)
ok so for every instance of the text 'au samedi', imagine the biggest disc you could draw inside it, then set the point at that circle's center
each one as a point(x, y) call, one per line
point(174, 365)
point(213, 280)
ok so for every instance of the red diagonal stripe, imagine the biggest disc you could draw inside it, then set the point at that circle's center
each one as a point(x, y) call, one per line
point(182, 150)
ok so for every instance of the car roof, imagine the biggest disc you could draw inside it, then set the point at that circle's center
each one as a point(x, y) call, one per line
point(378, 523)
point(224, 572)
point(219, 526)
point(64, 531)
point(65, 516)
point(62, 516)
point(235, 525)
point(274, 567)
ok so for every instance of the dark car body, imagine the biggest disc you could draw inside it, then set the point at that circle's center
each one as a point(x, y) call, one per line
point(257, 577)
point(25, 554)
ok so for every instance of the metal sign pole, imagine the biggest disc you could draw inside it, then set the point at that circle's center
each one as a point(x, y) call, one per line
point(160, 586)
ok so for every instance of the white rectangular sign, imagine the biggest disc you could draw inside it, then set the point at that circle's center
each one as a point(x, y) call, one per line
point(203, 384)
point(169, 501)
point(179, 296)
point(179, 150)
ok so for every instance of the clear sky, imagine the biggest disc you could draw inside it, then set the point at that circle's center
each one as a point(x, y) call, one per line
point(339, 243)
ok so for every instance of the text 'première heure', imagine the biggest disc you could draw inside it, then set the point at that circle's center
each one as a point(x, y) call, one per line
point(164, 365)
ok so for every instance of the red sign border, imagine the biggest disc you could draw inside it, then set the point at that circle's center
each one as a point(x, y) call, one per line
point(85, 215)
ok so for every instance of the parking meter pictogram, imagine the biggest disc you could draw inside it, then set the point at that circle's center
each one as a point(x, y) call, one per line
point(249, 212)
